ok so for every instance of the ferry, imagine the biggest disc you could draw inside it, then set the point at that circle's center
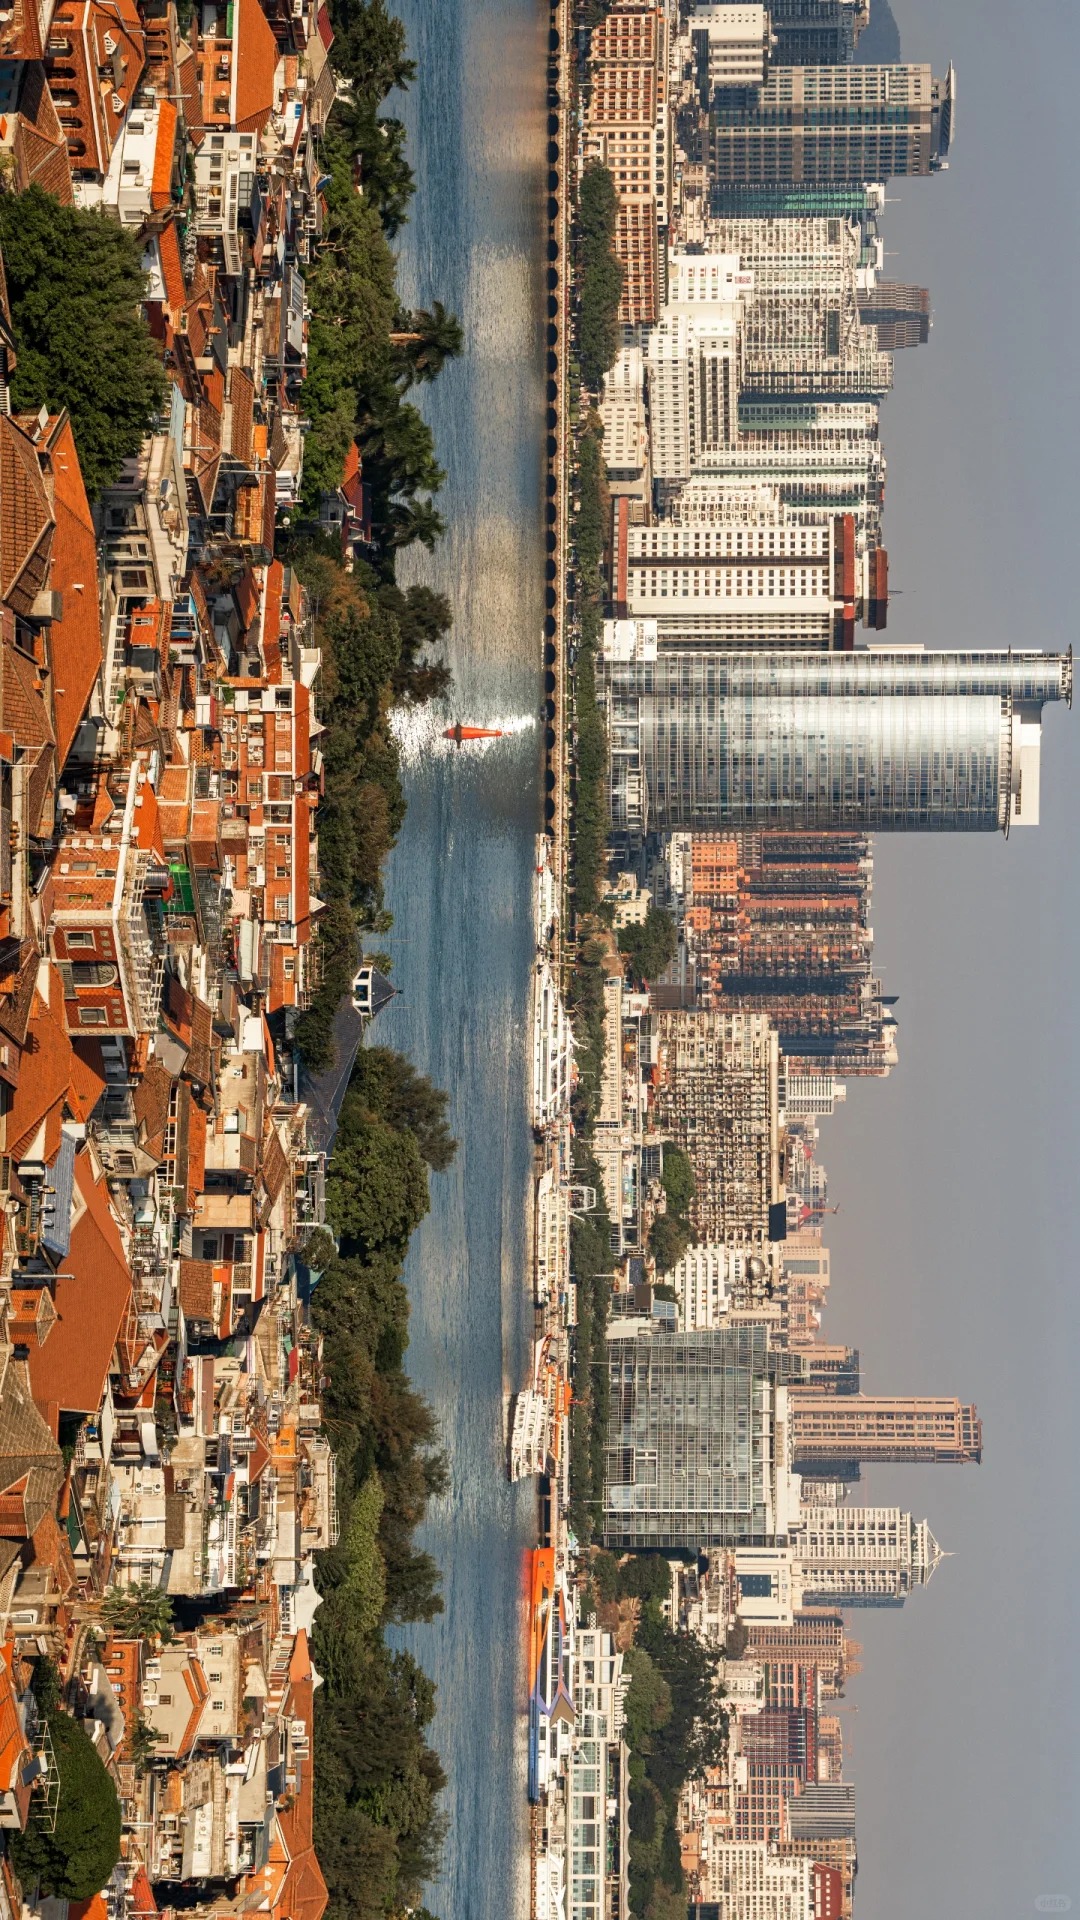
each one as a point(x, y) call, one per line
point(529, 1430)
point(550, 1700)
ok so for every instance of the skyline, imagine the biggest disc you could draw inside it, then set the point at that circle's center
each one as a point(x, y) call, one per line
point(963, 1155)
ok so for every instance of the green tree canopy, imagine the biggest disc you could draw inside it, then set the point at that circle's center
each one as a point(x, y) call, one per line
point(390, 1086)
point(139, 1612)
point(678, 1181)
point(651, 946)
point(669, 1238)
point(370, 48)
point(426, 339)
point(601, 275)
point(75, 1861)
point(76, 286)
point(377, 1186)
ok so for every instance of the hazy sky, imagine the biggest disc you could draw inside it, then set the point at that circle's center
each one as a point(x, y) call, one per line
point(954, 1256)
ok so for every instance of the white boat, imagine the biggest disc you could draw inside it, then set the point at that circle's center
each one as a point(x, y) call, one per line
point(530, 1429)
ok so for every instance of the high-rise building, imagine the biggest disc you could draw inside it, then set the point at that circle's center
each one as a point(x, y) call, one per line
point(812, 1643)
point(745, 1880)
point(830, 1430)
point(883, 741)
point(597, 1854)
point(626, 132)
point(812, 1095)
point(691, 1455)
point(848, 123)
point(774, 587)
point(899, 315)
point(731, 46)
point(778, 200)
point(825, 1810)
point(779, 923)
point(859, 1556)
point(816, 33)
point(715, 1094)
point(692, 368)
point(802, 334)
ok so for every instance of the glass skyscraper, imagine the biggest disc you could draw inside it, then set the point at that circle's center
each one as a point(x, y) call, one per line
point(688, 1461)
point(882, 741)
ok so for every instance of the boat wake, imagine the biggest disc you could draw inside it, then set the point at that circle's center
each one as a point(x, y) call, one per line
point(428, 733)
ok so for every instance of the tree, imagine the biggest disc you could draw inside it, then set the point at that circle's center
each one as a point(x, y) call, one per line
point(369, 48)
point(376, 1186)
point(650, 946)
point(389, 1085)
point(142, 1744)
point(431, 337)
point(76, 286)
point(669, 1238)
point(678, 1181)
point(139, 1613)
point(73, 1862)
point(410, 520)
point(601, 276)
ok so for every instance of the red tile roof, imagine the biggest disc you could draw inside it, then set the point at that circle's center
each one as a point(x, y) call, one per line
point(88, 1080)
point(161, 182)
point(68, 1373)
point(172, 270)
point(255, 58)
point(43, 1082)
point(26, 520)
point(75, 644)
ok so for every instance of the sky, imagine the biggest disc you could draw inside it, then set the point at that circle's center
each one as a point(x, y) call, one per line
point(954, 1254)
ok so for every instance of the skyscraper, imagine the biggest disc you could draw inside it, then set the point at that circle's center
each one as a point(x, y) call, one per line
point(884, 741)
point(816, 33)
point(845, 123)
point(899, 315)
point(828, 1430)
point(690, 1459)
point(860, 1556)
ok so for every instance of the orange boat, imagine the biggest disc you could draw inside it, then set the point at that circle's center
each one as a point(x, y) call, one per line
point(457, 733)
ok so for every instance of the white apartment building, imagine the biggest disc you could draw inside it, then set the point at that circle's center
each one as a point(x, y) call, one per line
point(692, 363)
point(748, 1882)
point(812, 1095)
point(726, 571)
point(860, 1556)
point(139, 173)
point(739, 42)
point(597, 1828)
point(712, 1281)
point(224, 187)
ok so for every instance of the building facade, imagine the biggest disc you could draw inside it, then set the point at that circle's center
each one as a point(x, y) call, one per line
point(874, 741)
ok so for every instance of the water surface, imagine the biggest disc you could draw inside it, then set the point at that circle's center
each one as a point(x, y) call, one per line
point(459, 886)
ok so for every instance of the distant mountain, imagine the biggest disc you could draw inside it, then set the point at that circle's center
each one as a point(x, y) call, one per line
point(879, 44)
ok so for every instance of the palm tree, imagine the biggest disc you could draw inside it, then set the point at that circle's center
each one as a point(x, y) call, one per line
point(433, 337)
point(410, 520)
point(139, 1612)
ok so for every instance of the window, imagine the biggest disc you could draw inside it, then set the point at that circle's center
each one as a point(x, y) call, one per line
point(93, 973)
point(79, 938)
point(165, 1700)
point(217, 1706)
point(93, 1017)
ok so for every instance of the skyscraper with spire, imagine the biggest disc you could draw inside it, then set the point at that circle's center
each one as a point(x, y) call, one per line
point(860, 1557)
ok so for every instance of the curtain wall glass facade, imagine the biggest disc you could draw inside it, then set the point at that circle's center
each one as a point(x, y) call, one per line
point(881, 741)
